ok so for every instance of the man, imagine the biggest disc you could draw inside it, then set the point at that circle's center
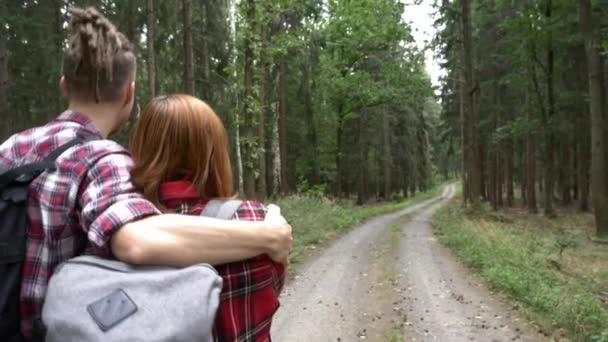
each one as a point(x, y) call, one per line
point(88, 204)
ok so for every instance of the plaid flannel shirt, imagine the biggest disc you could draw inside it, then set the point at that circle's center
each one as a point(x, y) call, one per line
point(75, 209)
point(250, 294)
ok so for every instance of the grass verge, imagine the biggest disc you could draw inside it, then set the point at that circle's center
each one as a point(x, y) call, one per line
point(549, 266)
point(317, 220)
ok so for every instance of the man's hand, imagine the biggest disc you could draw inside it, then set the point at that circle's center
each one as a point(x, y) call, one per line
point(281, 249)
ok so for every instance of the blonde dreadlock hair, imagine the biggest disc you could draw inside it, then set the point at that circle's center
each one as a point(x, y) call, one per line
point(99, 60)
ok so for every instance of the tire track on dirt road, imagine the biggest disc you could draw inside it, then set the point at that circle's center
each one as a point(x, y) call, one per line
point(441, 300)
point(333, 296)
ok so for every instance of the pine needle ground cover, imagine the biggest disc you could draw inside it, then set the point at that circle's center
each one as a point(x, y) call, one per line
point(550, 267)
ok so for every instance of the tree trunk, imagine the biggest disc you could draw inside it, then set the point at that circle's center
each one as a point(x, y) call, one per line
point(249, 146)
point(261, 181)
point(386, 160)
point(362, 160)
point(206, 82)
point(566, 171)
point(283, 123)
point(466, 187)
point(549, 136)
point(583, 146)
point(150, 38)
point(530, 164)
point(598, 162)
point(494, 155)
point(473, 177)
point(509, 167)
point(188, 52)
point(276, 152)
point(239, 157)
point(339, 159)
point(5, 123)
point(583, 174)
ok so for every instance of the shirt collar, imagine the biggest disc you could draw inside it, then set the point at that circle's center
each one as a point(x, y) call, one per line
point(79, 118)
point(178, 190)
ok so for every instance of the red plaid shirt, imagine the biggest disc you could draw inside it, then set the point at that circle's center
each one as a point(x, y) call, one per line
point(75, 209)
point(250, 294)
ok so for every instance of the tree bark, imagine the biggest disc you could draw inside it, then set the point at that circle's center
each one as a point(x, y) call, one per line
point(530, 161)
point(283, 123)
point(473, 177)
point(549, 136)
point(598, 161)
point(150, 39)
point(188, 52)
point(339, 159)
point(387, 162)
point(5, 122)
point(362, 160)
point(509, 167)
point(566, 171)
point(261, 180)
point(583, 174)
point(276, 152)
point(206, 82)
point(494, 151)
point(249, 146)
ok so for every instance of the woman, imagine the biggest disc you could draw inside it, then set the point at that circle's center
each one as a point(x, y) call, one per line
point(180, 150)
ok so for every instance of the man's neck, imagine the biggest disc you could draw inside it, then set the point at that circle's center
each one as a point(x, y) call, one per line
point(103, 116)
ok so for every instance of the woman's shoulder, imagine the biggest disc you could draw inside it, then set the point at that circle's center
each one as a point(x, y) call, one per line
point(251, 210)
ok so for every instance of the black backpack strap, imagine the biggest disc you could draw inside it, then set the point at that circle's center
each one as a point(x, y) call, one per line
point(32, 170)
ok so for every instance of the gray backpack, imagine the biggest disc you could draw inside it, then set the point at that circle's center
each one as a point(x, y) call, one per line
point(95, 299)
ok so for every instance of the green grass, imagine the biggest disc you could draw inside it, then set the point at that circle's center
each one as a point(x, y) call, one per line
point(522, 259)
point(396, 334)
point(317, 220)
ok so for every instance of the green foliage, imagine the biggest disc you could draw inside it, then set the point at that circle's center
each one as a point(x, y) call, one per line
point(603, 337)
point(565, 240)
point(348, 65)
point(317, 220)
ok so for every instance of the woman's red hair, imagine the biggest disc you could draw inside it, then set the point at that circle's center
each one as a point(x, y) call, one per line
point(179, 137)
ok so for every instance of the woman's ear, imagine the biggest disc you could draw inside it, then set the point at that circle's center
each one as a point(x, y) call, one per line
point(63, 86)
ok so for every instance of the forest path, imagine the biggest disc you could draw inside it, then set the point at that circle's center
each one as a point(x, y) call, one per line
point(389, 280)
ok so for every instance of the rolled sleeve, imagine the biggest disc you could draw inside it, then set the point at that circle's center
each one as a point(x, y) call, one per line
point(109, 200)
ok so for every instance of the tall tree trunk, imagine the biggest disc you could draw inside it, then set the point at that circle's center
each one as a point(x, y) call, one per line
point(583, 174)
point(566, 171)
point(239, 157)
point(5, 123)
point(283, 123)
point(206, 84)
point(188, 52)
point(509, 167)
point(150, 39)
point(598, 161)
point(249, 146)
point(261, 181)
point(474, 176)
point(362, 160)
point(276, 152)
point(466, 182)
point(549, 136)
point(339, 147)
point(387, 163)
point(530, 161)
point(494, 155)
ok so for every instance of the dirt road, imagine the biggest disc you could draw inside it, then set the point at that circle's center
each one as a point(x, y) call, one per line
point(389, 280)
